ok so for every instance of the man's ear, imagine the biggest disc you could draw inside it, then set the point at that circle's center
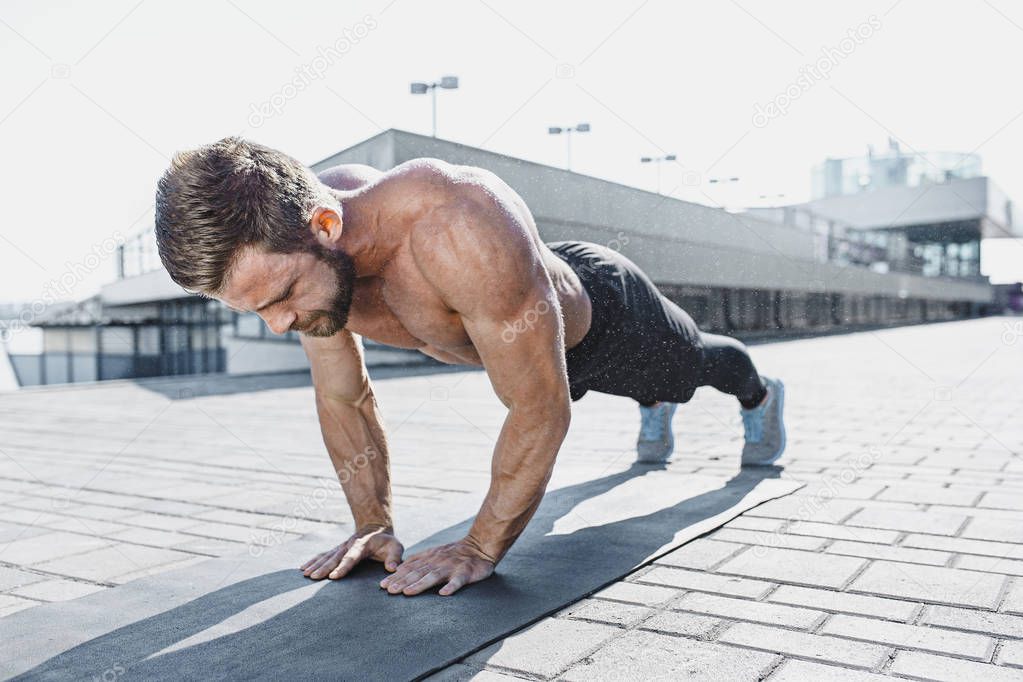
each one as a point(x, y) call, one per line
point(326, 226)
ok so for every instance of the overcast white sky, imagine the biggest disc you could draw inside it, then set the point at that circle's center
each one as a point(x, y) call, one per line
point(97, 96)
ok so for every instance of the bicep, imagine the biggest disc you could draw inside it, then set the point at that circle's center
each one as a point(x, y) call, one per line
point(337, 365)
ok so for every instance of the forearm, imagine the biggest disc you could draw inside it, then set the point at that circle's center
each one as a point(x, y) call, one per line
point(354, 435)
point(523, 462)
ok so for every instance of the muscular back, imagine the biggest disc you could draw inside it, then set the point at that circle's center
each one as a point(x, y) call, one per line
point(423, 206)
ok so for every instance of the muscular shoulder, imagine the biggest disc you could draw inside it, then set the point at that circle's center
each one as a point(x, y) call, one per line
point(471, 244)
point(349, 176)
point(445, 185)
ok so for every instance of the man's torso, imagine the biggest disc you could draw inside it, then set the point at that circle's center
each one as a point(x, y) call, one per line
point(397, 306)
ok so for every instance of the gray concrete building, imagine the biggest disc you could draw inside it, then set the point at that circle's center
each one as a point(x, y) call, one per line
point(816, 266)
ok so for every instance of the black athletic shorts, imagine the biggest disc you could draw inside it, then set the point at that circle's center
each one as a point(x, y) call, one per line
point(640, 344)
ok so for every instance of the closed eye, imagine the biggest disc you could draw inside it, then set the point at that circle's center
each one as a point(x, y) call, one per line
point(280, 299)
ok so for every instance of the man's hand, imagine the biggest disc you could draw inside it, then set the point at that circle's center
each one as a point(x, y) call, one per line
point(456, 564)
point(378, 544)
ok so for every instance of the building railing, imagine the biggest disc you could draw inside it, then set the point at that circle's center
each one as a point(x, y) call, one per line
point(138, 255)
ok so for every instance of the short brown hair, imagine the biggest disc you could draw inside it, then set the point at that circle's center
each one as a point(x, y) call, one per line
point(232, 193)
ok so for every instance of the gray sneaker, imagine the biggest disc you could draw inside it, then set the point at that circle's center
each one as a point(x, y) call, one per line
point(656, 441)
point(764, 427)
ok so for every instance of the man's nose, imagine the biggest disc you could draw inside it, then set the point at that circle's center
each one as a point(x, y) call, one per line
point(280, 322)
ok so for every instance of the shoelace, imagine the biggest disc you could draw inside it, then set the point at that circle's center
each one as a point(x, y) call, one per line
point(652, 424)
point(753, 424)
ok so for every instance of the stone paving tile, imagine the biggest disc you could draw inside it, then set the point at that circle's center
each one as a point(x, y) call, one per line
point(466, 673)
point(966, 645)
point(11, 578)
point(830, 530)
point(860, 490)
point(909, 521)
point(221, 531)
point(151, 536)
point(798, 506)
point(609, 612)
point(56, 590)
point(930, 584)
point(1011, 654)
point(744, 609)
point(784, 540)
point(792, 566)
point(639, 656)
point(989, 564)
point(923, 493)
point(48, 546)
point(755, 523)
point(805, 645)
point(1002, 500)
point(973, 620)
point(159, 521)
point(546, 648)
point(1001, 530)
point(114, 561)
point(93, 512)
point(687, 624)
point(981, 512)
point(903, 554)
point(878, 607)
point(803, 671)
point(964, 545)
point(636, 593)
point(88, 526)
point(209, 546)
point(1014, 598)
point(921, 666)
point(11, 604)
point(701, 553)
point(13, 531)
point(706, 582)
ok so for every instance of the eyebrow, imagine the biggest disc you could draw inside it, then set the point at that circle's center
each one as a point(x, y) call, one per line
point(282, 297)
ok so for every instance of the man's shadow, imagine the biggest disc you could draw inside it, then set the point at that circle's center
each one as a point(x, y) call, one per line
point(351, 629)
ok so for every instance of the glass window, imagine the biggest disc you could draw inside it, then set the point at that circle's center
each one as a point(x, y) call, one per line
point(56, 340)
point(250, 326)
point(149, 340)
point(117, 340)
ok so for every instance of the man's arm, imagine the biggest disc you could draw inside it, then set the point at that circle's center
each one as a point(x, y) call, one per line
point(483, 260)
point(354, 436)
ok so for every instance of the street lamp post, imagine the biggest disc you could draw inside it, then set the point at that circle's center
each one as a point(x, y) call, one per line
point(580, 128)
point(657, 161)
point(420, 88)
point(723, 181)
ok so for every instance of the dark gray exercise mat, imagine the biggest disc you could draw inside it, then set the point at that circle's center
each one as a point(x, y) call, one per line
point(241, 617)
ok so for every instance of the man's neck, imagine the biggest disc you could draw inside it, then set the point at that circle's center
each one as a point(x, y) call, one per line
point(362, 238)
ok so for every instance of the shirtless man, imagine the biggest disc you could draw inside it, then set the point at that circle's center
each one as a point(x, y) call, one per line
point(447, 260)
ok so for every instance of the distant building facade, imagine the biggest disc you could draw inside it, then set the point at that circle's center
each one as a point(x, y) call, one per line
point(893, 168)
point(844, 259)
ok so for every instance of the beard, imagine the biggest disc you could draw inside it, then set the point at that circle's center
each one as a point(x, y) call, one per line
point(332, 319)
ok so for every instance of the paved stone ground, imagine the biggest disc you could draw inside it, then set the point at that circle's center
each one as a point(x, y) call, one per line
point(903, 557)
